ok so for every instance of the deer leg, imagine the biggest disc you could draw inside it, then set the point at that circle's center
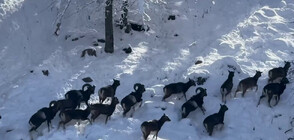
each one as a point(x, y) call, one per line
point(277, 100)
point(269, 100)
point(145, 136)
point(94, 116)
point(223, 98)
point(209, 129)
point(166, 95)
point(107, 118)
point(141, 102)
point(89, 121)
point(203, 110)
point(155, 135)
point(262, 96)
point(243, 93)
point(133, 108)
point(49, 124)
point(127, 109)
point(185, 96)
point(237, 90)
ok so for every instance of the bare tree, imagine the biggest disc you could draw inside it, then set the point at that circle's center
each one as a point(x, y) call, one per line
point(124, 17)
point(108, 27)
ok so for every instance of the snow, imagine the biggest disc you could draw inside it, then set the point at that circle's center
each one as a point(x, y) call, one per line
point(244, 36)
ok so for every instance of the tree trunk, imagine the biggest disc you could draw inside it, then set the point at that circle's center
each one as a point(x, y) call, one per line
point(125, 16)
point(108, 27)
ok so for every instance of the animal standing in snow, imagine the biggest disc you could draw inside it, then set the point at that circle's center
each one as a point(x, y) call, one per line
point(42, 115)
point(175, 88)
point(65, 104)
point(227, 86)
point(194, 102)
point(277, 74)
point(78, 96)
point(274, 90)
point(97, 109)
point(108, 91)
point(154, 125)
point(215, 119)
point(133, 98)
point(247, 83)
point(78, 114)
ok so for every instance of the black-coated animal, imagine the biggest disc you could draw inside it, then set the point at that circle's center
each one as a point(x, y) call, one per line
point(105, 109)
point(175, 88)
point(274, 90)
point(215, 119)
point(155, 125)
point(65, 104)
point(277, 74)
point(42, 115)
point(79, 96)
point(108, 91)
point(227, 86)
point(194, 102)
point(78, 114)
point(133, 98)
point(247, 83)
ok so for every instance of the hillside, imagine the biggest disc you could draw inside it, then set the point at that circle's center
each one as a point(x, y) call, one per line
point(243, 36)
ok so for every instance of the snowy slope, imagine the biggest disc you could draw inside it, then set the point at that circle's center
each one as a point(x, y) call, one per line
point(249, 35)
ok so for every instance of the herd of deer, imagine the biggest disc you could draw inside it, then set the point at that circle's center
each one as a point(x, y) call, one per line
point(73, 98)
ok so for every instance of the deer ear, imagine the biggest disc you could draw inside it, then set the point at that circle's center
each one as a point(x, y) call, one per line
point(220, 104)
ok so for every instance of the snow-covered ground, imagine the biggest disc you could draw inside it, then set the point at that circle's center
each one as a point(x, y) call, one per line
point(239, 35)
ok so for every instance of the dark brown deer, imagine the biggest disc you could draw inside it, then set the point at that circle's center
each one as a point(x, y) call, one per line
point(277, 74)
point(247, 83)
point(215, 119)
point(176, 88)
point(154, 125)
point(227, 86)
point(108, 91)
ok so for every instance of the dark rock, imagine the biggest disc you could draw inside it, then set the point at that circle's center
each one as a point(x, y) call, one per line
point(198, 62)
point(127, 50)
point(171, 17)
point(101, 40)
point(45, 72)
point(75, 39)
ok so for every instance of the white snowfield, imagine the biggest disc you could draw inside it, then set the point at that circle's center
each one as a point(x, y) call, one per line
point(239, 35)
